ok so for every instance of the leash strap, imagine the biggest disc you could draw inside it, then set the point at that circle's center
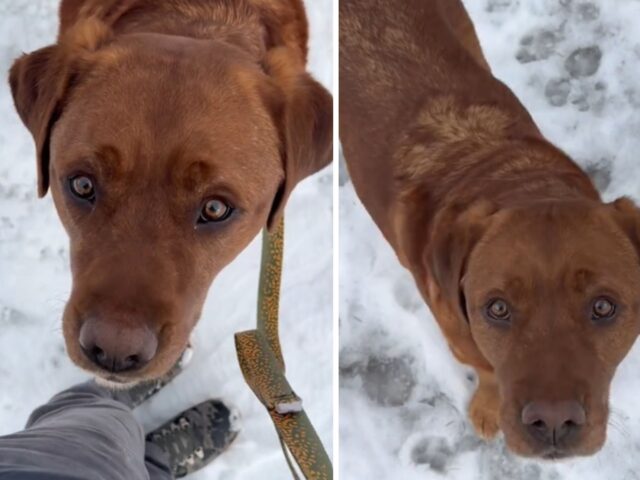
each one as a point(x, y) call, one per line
point(263, 368)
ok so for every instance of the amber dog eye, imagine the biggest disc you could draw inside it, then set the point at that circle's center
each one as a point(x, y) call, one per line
point(603, 309)
point(498, 310)
point(215, 210)
point(82, 187)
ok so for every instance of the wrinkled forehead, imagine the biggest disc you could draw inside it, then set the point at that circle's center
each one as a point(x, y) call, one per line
point(525, 251)
point(166, 102)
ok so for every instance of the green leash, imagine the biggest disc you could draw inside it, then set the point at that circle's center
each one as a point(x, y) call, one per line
point(262, 365)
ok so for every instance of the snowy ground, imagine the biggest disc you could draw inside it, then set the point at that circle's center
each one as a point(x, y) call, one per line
point(35, 282)
point(575, 65)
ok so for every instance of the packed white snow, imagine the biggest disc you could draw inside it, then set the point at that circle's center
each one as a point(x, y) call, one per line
point(35, 283)
point(576, 67)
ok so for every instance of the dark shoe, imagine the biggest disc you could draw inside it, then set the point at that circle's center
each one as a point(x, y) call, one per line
point(196, 437)
point(140, 393)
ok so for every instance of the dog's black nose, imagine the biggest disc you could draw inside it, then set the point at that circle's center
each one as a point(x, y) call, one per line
point(553, 422)
point(116, 348)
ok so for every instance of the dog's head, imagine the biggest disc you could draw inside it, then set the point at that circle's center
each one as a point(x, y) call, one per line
point(165, 158)
point(550, 295)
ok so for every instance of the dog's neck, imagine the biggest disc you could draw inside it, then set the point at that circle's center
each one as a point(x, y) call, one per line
point(460, 155)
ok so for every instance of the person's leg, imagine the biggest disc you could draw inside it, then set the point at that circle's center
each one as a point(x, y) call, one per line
point(81, 433)
point(88, 432)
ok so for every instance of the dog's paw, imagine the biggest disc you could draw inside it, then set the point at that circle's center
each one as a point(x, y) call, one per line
point(483, 413)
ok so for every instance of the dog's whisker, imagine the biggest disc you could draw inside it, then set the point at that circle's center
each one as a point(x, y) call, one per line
point(623, 431)
point(619, 427)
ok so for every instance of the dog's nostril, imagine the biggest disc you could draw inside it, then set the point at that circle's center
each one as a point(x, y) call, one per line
point(131, 362)
point(539, 424)
point(566, 429)
point(97, 353)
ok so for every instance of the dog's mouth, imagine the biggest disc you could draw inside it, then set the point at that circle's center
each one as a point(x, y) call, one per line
point(585, 443)
point(555, 453)
point(113, 382)
point(123, 380)
point(549, 453)
point(114, 379)
point(118, 380)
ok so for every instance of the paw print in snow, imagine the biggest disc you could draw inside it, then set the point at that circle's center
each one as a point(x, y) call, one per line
point(583, 62)
point(538, 45)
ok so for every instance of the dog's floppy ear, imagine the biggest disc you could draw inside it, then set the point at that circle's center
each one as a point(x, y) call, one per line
point(456, 231)
point(306, 128)
point(40, 82)
point(627, 215)
point(38, 86)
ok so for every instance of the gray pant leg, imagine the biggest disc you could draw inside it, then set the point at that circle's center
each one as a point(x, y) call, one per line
point(156, 462)
point(81, 434)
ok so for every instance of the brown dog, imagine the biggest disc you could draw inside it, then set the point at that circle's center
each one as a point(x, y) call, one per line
point(170, 132)
point(532, 279)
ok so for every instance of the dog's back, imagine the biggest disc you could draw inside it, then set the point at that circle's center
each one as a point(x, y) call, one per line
point(420, 108)
point(393, 57)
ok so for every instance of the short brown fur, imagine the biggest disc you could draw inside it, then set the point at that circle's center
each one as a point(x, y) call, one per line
point(166, 104)
point(477, 204)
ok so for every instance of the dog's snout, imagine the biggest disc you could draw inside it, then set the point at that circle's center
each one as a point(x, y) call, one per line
point(117, 348)
point(553, 422)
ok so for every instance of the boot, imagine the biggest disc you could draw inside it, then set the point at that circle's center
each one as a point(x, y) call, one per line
point(196, 437)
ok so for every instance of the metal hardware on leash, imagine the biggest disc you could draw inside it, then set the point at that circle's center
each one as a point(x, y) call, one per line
point(290, 406)
point(262, 365)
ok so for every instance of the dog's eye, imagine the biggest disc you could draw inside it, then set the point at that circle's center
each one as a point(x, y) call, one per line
point(603, 309)
point(82, 187)
point(498, 310)
point(215, 210)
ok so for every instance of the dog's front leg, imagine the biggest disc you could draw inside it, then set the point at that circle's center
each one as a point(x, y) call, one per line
point(485, 404)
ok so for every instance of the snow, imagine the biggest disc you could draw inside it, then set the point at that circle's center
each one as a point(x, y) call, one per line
point(35, 283)
point(403, 397)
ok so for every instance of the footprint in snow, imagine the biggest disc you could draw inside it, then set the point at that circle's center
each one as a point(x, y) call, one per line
point(583, 61)
point(557, 91)
point(537, 45)
point(407, 296)
point(497, 463)
point(600, 174)
point(501, 5)
point(388, 381)
point(587, 12)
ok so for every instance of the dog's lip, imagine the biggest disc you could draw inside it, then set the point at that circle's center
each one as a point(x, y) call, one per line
point(115, 383)
point(114, 379)
point(554, 453)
